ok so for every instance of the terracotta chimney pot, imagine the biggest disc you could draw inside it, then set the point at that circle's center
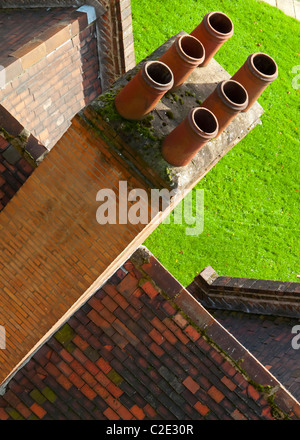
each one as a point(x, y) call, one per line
point(258, 71)
point(144, 90)
point(215, 28)
point(184, 142)
point(226, 101)
point(185, 54)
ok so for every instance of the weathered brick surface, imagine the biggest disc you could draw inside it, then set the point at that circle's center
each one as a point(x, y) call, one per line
point(52, 248)
point(269, 338)
point(267, 297)
point(116, 38)
point(108, 363)
point(60, 69)
point(14, 171)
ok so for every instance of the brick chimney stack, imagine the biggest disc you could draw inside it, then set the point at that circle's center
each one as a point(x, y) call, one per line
point(54, 253)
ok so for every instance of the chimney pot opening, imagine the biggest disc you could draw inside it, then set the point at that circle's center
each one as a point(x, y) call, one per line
point(264, 64)
point(235, 92)
point(205, 120)
point(192, 47)
point(220, 23)
point(159, 73)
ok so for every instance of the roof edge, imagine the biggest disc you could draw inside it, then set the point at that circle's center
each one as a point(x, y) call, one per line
point(250, 295)
point(198, 317)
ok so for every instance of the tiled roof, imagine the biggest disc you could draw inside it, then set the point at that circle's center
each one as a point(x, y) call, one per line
point(277, 298)
point(14, 171)
point(261, 314)
point(269, 339)
point(143, 348)
point(20, 152)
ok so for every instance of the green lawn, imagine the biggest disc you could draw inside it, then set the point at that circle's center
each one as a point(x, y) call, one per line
point(252, 195)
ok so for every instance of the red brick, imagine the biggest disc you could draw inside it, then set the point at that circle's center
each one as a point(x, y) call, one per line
point(110, 414)
point(191, 385)
point(88, 392)
point(77, 367)
point(52, 369)
point(266, 413)
point(23, 410)
point(128, 265)
point(38, 410)
point(216, 356)
point(124, 413)
point(3, 414)
point(114, 390)
point(168, 308)
point(95, 303)
point(81, 358)
point(109, 303)
point(76, 380)
point(216, 394)
point(192, 333)
point(149, 411)
point(110, 289)
point(156, 349)
point(64, 382)
point(137, 412)
point(149, 289)
point(103, 365)
point(80, 342)
point(228, 368)
point(252, 392)
point(128, 285)
point(91, 367)
point(64, 368)
point(181, 336)
point(202, 409)
point(89, 379)
point(203, 345)
point(121, 301)
point(170, 337)
point(99, 389)
point(156, 336)
point(228, 383)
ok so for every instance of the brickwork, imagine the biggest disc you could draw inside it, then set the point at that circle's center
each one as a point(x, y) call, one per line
point(49, 232)
point(20, 153)
point(14, 171)
point(116, 47)
point(246, 294)
point(269, 339)
point(54, 253)
point(114, 29)
point(132, 352)
point(59, 76)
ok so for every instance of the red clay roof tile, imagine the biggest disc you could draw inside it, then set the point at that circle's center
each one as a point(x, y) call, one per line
point(141, 365)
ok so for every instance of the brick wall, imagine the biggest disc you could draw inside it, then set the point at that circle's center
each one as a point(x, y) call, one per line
point(51, 91)
point(114, 28)
point(267, 297)
point(116, 36)
point(20, 153)
point(14, 171)
point(53, 252)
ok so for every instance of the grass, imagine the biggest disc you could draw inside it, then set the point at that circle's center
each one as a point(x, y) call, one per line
point(252, 195)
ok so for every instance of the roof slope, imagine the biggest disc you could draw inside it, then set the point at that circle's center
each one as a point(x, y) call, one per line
point(261, 314)
point(143, 348)
point(269, 339)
